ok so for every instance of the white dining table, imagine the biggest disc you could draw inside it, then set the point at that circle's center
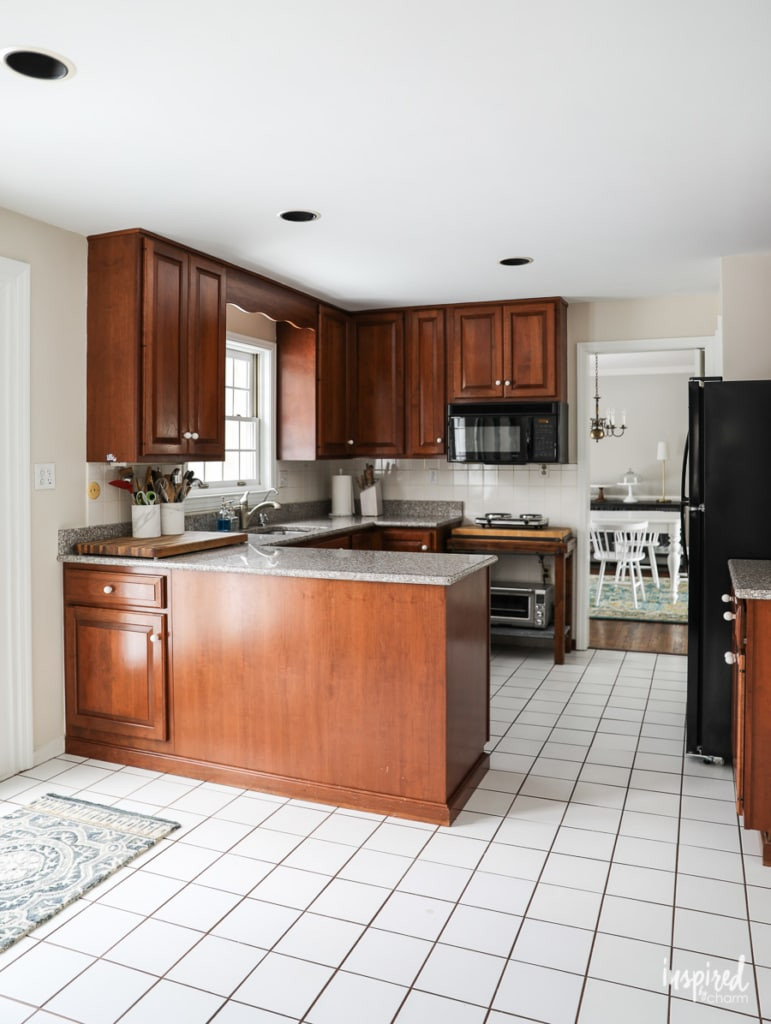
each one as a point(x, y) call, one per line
point(665, 521)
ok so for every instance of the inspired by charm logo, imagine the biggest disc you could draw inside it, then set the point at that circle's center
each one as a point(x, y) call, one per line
point(719, 987)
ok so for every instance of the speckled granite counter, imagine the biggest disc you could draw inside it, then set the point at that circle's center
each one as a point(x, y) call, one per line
point(751, 578)
point(276, 554)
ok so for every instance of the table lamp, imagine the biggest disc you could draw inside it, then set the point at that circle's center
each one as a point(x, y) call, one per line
point(662, 454)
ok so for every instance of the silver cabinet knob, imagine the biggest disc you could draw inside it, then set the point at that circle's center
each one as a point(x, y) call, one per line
point(350, 441)
point(728, 616)
point(194, 435)
point(726, 599)
point(730, 658)
point(187, 435)
point(498, 383)
point(154, 638)
point(439, 440)
point(424, 547)
point(108, 589)
point(507, 383)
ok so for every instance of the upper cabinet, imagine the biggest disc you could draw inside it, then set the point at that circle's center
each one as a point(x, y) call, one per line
point(156, 351)
point(341, 391)
point(516, 350)
point(425, 393)
point(376, 384)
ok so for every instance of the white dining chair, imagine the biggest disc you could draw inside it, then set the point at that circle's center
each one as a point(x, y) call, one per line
point(626, 548)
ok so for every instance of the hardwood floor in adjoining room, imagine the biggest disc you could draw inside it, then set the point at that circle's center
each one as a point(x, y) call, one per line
point(652, 637)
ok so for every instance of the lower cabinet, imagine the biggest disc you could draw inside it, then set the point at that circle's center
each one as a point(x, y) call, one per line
point(397, 538)
point(116, 656)
point(751, 726)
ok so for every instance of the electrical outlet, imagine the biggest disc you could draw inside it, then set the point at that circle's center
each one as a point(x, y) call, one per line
point(94, 490)
point(283, 478)
point(433, 476)
point(45, 476)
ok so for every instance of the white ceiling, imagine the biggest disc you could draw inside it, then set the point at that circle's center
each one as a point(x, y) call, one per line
point(625, 146)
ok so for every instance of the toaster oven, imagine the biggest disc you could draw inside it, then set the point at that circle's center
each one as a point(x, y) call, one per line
point(521, 604)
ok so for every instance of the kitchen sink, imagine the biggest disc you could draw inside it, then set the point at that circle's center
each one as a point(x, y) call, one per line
point(280, 529)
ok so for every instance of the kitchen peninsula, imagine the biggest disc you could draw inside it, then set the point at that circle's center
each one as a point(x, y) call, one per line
point(353, 677)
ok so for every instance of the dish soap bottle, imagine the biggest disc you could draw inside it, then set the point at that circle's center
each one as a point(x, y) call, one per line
point(223, 518)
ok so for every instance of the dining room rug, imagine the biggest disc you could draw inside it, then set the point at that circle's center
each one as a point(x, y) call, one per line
point(55, 849)
point(616, 602)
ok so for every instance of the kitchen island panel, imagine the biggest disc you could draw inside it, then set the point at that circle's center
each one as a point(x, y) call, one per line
point(367, 695)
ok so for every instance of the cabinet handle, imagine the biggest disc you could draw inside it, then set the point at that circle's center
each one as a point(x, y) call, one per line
point(507, 383)
point(730, 658)
point(350, 441)
point(726, 599)
point(187, 435)
point(498, 383)
point(439, 440)
point(729, 616)
point(424, 547)
point(108, 589)
point(194, 435)
point(154, 638)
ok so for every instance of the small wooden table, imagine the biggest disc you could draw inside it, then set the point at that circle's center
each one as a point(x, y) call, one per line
point(557, 541)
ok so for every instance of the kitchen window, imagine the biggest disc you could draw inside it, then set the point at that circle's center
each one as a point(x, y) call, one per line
point(249, 421)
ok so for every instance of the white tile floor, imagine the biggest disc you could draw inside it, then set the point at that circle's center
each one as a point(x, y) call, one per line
point(595, 876)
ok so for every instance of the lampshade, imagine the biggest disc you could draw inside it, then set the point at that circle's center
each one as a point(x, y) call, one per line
point(662, 453)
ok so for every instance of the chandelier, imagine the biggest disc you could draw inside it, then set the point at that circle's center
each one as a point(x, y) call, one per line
point(604, 426)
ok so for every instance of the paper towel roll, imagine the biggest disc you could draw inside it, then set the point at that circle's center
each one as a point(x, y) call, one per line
point(342, 495)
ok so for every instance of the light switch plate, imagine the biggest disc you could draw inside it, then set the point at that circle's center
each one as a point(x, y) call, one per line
point(45, 476)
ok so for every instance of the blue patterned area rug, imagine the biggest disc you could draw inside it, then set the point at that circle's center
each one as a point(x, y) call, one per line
point(616, 602)
point(58, 848)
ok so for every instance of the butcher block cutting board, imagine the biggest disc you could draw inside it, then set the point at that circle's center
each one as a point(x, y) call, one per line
point(159, 547)
point(556, 533)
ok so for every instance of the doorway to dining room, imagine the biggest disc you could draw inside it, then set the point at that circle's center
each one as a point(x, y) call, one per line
point(635, 478)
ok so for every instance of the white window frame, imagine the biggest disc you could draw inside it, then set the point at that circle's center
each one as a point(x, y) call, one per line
point(204, 499)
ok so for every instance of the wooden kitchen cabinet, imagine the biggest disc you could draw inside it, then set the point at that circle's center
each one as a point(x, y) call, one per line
point(425, 390)
point(156, 351)
point(116, 656)
point(412, 538)
point(352, 373)
point(516, 350)
point(751, 714)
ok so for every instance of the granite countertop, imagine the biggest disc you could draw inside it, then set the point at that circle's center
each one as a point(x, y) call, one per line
point(751, 578)
point(267, 554)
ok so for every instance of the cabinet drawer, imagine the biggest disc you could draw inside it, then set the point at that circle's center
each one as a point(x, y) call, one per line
point(113, 587)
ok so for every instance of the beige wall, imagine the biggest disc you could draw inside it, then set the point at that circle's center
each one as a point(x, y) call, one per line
point(682, 316)
point(746, 291)
point(58, 421)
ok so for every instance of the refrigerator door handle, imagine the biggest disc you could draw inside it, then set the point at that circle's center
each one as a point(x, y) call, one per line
point(683, 502)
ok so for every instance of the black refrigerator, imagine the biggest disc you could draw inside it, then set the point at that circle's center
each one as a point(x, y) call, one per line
point(727, 503)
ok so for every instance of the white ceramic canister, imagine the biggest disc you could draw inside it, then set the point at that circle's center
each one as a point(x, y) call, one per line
point(145, 521)
point(173, 517)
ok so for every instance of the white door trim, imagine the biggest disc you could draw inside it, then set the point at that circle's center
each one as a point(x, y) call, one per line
point(713, 366)
point(16, 723)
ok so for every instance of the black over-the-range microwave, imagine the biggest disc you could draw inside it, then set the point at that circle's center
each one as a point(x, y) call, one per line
point(507, 433)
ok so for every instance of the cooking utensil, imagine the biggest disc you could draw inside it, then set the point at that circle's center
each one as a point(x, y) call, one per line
point(146, 497)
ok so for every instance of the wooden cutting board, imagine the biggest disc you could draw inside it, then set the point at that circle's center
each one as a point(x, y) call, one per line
point(554, 533)
point(160, 547)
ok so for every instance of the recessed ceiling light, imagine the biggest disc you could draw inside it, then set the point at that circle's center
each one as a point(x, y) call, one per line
point(299, 215)
point(516, 261)
point(39, 64)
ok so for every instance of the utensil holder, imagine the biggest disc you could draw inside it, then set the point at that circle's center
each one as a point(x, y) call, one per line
point(145, 521)
point(173, 517)
point(371, 501)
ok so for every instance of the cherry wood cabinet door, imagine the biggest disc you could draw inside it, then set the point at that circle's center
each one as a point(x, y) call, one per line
point(332, 427)
point(426, 404)
point(738, 703)
point(530, 362)
point(475, 353)
point(395, 538)
point(376, 397)
point(183, 354)
point(164, 344)
point(116, 673)
point(204, 365)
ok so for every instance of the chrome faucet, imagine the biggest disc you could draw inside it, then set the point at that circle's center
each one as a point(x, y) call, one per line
point(245, 513)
